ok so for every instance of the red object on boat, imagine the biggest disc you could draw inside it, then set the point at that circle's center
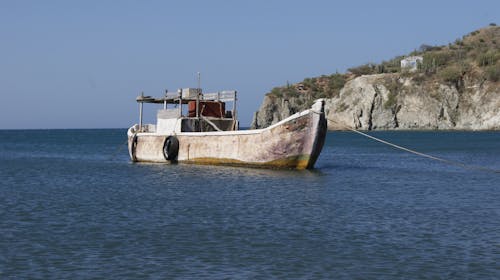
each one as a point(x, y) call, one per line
point(214, 109)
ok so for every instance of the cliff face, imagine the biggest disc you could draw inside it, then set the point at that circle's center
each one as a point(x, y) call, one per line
point(274, 109)
point(391, 101)
point(387, 101)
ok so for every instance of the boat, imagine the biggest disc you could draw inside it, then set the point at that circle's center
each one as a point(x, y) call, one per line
point(195, 127)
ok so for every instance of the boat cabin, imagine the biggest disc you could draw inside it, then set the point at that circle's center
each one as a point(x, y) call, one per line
point(190, 110)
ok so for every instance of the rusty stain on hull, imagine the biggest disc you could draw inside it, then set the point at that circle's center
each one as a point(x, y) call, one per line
point(296, 162)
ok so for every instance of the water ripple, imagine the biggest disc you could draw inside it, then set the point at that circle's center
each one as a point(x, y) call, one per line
point(67, 210)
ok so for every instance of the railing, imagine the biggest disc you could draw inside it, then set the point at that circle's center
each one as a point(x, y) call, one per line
point(224, 96)
point(170, 97)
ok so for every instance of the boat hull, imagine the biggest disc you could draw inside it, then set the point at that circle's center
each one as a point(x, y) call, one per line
point(295, 142)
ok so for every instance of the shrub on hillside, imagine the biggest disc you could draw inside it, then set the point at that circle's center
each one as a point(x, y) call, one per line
point(433, 60)
point(473, 33)
point(451, 74)
point(391, 101)
point(290, 92)
point(365, 69)
point(437, 58)
point(493, 72)
point(276, 92)
point(489, 58)
point(425, 48)
point(459, 42)
point(391, 66)
point(337, 81)
point(309, 82)
point(284, 92)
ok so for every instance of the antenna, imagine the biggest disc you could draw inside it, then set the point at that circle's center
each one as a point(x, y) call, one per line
point(199, 80)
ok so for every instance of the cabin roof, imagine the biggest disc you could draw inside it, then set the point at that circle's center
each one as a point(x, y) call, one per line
point(176, 97)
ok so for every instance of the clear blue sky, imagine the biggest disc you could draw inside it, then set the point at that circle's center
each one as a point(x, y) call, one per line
point(80, 64)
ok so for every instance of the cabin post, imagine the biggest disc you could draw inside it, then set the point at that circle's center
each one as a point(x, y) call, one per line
point(179, 92)
point(198, 97)
point(140, 112)
point(165, 100)
point(198, 106)
point(234, 106)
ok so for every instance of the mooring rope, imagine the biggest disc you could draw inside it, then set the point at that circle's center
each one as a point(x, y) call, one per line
point(447, 161)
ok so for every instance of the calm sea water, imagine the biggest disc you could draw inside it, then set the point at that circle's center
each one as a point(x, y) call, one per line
point(72, 206)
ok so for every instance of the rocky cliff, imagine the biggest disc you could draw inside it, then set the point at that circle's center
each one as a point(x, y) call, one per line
point(454, 87)
point(389, 101)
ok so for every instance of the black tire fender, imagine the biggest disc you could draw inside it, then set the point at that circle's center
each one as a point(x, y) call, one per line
point(171, 148)
point(133, 148)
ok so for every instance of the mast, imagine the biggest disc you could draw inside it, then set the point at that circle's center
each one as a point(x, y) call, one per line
point(199, 80)
point(140, 111)
point(198, 97)
point(234, 106)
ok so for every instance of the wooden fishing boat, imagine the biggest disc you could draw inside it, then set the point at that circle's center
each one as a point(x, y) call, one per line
point(207, 133)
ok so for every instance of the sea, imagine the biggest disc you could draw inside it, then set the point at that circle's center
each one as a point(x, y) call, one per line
point(73, 206)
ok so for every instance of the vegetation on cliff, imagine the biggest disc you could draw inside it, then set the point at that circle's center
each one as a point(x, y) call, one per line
point(474, 57)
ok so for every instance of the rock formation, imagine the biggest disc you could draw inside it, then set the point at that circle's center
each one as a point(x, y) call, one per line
point(389, 101)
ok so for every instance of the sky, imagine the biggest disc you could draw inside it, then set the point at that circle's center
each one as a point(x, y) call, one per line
point(81, 64)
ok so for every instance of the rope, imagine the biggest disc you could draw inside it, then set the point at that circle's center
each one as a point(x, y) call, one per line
point(447, 161)
point(207, 120)
point(210, 123)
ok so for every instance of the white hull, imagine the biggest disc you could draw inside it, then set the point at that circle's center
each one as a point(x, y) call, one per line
point(295, 142)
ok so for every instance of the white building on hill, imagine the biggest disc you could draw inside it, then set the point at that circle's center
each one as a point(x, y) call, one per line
point(411, 62)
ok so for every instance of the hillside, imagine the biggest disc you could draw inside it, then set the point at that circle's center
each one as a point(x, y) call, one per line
point(455, 86)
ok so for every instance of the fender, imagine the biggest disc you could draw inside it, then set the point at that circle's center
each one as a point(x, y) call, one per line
point(171, 148)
